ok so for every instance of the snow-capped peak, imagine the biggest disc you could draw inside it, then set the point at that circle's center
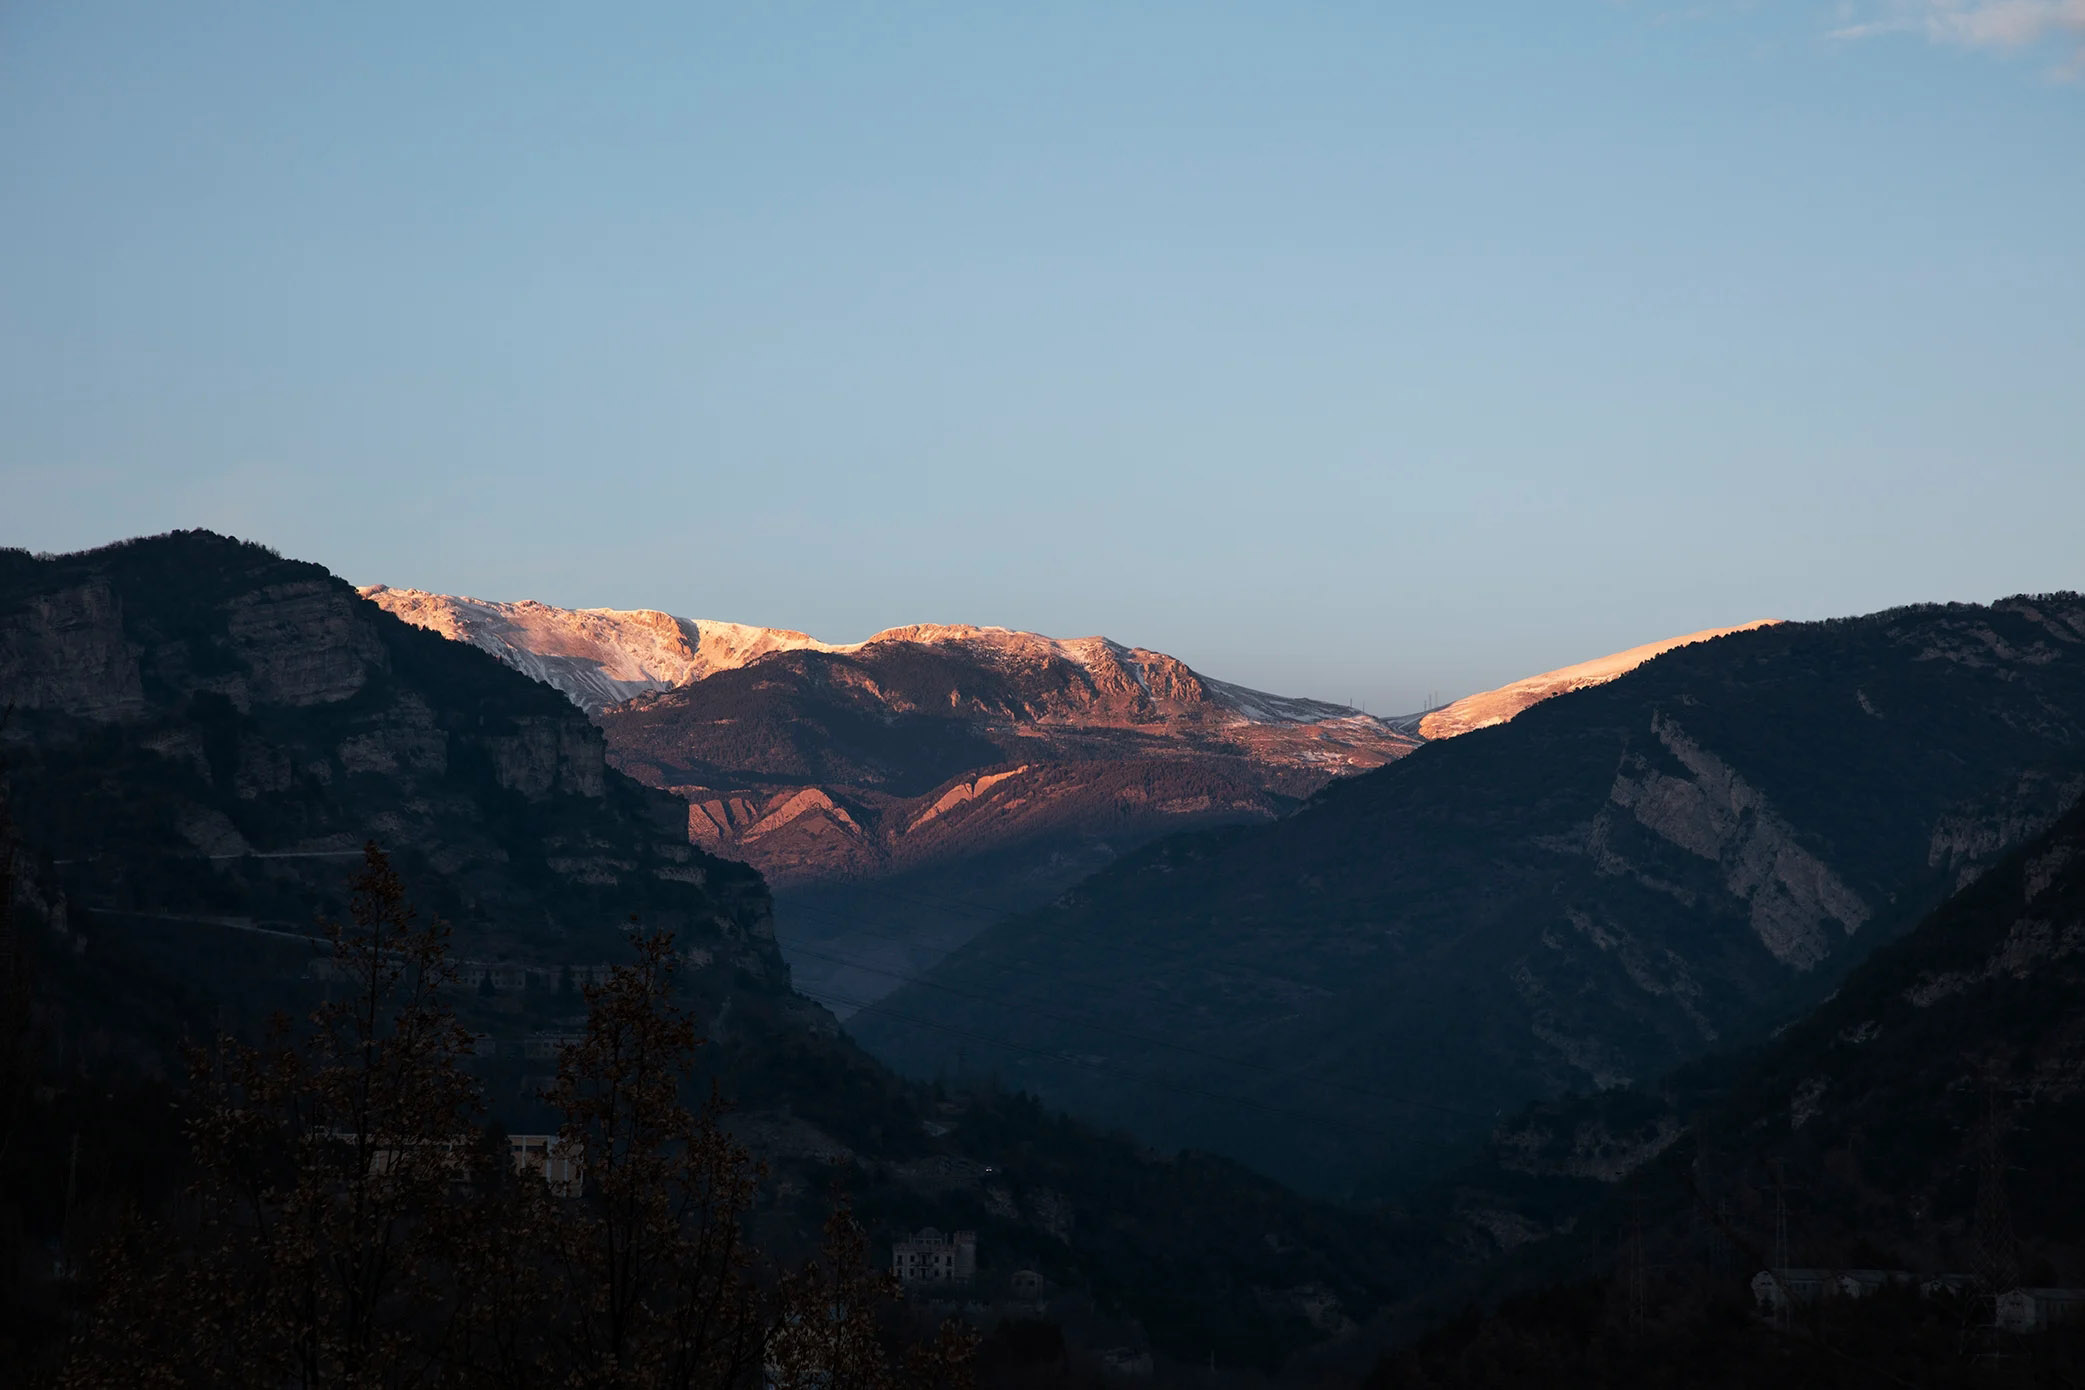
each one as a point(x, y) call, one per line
point(603, 656)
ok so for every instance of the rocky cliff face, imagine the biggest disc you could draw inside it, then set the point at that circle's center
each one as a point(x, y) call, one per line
point(202, 729)
point(1617, 880)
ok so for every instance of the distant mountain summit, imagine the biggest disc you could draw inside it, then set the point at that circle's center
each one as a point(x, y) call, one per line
point(819, 760)
point(902, 791)
point(603, 656)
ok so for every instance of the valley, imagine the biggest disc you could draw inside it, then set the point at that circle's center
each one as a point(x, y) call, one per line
point(1117, 946)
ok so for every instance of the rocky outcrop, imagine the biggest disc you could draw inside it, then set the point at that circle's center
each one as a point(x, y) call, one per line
point(544, 756)
point(301, 643)
point(1712, 812)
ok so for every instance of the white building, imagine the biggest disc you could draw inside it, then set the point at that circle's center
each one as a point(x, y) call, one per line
point(929, 1257)
point(1126, 1361)
point(2038, 1310)
point(1775, 1289)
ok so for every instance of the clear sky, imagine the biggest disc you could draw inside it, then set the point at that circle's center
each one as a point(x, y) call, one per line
point(1346, 349)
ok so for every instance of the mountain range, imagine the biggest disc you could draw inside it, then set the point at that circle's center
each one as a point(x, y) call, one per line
point(901, 792)
point(1620, 879)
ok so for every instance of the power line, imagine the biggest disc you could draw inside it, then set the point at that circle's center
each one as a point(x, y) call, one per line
point(998, 1001)
point(1102, 1067)
point(1172, 957)
point(1146, 951)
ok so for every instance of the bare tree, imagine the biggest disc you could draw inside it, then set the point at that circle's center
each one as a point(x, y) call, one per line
point(826, 1337)
point(316, 1245)
point(652, 1255)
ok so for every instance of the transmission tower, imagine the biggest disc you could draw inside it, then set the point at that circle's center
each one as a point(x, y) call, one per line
point(1634, 1272)
point(1710, 1222)
point(1994, 1247)
point(1784, 1307)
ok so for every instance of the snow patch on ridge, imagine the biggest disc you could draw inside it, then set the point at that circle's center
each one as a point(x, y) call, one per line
point(1490, 707)
point(597, 656)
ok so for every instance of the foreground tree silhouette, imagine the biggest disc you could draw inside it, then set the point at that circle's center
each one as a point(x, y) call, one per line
point(826, 1337)
point(352, 1223)
point(322, 1227)
point(654, 1279)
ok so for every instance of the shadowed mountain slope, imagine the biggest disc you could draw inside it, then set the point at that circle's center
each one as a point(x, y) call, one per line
point(1619, 879)
point(1927, 1118)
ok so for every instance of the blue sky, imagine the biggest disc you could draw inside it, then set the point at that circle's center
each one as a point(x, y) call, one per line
point(1354, 350)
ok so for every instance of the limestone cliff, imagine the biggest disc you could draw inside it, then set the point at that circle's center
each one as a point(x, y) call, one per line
point(203, 729)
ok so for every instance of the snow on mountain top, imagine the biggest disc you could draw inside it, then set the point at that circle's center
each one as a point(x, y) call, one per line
point(603, 656)
point(596, 656)
point(1490, 707)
